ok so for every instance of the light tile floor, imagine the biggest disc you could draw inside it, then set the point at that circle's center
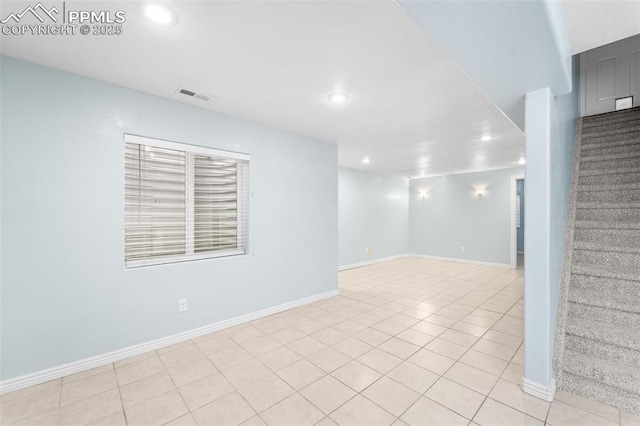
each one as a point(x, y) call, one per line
point(408, 342)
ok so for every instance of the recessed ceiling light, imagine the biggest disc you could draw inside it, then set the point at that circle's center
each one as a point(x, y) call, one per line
point(160, 13)
point(522, 160)
point(338, 97)
point(486, 138)
point(366, 160)
point(423, 174)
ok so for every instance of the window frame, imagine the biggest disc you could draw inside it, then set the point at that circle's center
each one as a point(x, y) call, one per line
point(190, 152)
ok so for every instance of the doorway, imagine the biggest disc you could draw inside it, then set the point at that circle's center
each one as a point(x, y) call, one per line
point(517, 221)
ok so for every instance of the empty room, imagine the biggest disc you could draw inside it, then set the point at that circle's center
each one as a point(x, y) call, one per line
point(390, 212)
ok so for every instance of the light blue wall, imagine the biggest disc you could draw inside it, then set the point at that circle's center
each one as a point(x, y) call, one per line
point(453, 216)
point(550, 140)
point(373, 212)
point(507, 48)
point(538, 298)
point(65, 292)
point(520, 234)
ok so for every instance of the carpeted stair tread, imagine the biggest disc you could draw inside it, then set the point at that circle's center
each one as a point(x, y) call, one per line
point(610, 395)
point(609, 157)
point(616, 285)
point(603, 350)
point(622, 123)
point(625, 145)
point(605, 298)
point(606, 235)
point(594, 246)
point(604, 332)
point(597, 351)
point(620, 171)
point(621, 187)
point(603, 371)
point(615, 272)
point(599, 205)
point(626, 131)
point(602, 141)
point(604, 315)
point(611, 117)
point(595, 224)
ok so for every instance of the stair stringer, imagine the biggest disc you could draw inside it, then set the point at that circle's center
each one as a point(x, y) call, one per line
point(565, 279)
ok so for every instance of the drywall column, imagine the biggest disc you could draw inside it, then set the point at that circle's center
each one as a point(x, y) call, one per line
point(538, 326)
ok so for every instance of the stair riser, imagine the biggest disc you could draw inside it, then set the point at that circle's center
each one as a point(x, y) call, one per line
point(608, 236)
point(583, 329)
point(607, 258)
point(605, 141)
point(602, 350)
point(629, 383)
point(626, 401)
point(622, 287)
point(604, 132)
point(609, 179)
point(629, 123)
point(610, 196)
point(610, 164)
point(580, 312)
point(606, 150)
point(609, 215)
point(616, 117)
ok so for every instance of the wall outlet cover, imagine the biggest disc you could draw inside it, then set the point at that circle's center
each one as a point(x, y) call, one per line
point(624, 103)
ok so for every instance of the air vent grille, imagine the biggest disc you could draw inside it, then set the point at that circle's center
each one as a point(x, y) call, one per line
point(193, 94)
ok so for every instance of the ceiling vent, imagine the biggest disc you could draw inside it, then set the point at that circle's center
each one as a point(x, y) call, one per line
point(193, 94)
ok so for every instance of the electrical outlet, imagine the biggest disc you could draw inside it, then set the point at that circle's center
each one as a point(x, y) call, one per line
point(182, 305)
point(368, 250)
point(462, 249)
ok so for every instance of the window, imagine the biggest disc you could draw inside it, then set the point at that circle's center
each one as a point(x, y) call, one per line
point(183, 202)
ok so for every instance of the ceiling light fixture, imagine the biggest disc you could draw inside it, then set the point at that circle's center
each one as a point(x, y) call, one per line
point(338, 97)
point(522, 160)
point(486, 138)
point(366, 160)
point(160, 13)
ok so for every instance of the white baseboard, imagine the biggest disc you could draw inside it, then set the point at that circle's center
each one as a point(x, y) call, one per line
point(53, 373)
point(538, 390)
point(371, 262)
point(453, 259)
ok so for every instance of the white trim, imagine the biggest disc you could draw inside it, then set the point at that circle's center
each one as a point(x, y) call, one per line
point(371, 262)
point(53, 373)
point(513, 246)
point(520, 252)
point(167, 260)
point(538, 390)
point(453, 259)
point(159, 143)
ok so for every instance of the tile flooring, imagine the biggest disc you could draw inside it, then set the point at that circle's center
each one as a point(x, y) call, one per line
point(408, 342)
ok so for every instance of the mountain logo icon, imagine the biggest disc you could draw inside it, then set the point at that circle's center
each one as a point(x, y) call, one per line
point(39, 11)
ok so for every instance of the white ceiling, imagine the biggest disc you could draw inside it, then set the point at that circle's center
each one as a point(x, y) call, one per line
point(411, 110)
point(593, 23)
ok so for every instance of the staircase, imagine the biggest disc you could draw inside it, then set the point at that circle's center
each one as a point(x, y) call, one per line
point(597, 349)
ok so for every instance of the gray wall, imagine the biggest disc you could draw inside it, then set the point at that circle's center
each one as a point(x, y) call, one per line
point(65, 292)
point(373, 212)
point(520, 233)
point(609, 72)
point(453, 216)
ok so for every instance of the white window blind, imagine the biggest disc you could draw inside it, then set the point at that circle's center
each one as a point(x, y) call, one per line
point(183, 202)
